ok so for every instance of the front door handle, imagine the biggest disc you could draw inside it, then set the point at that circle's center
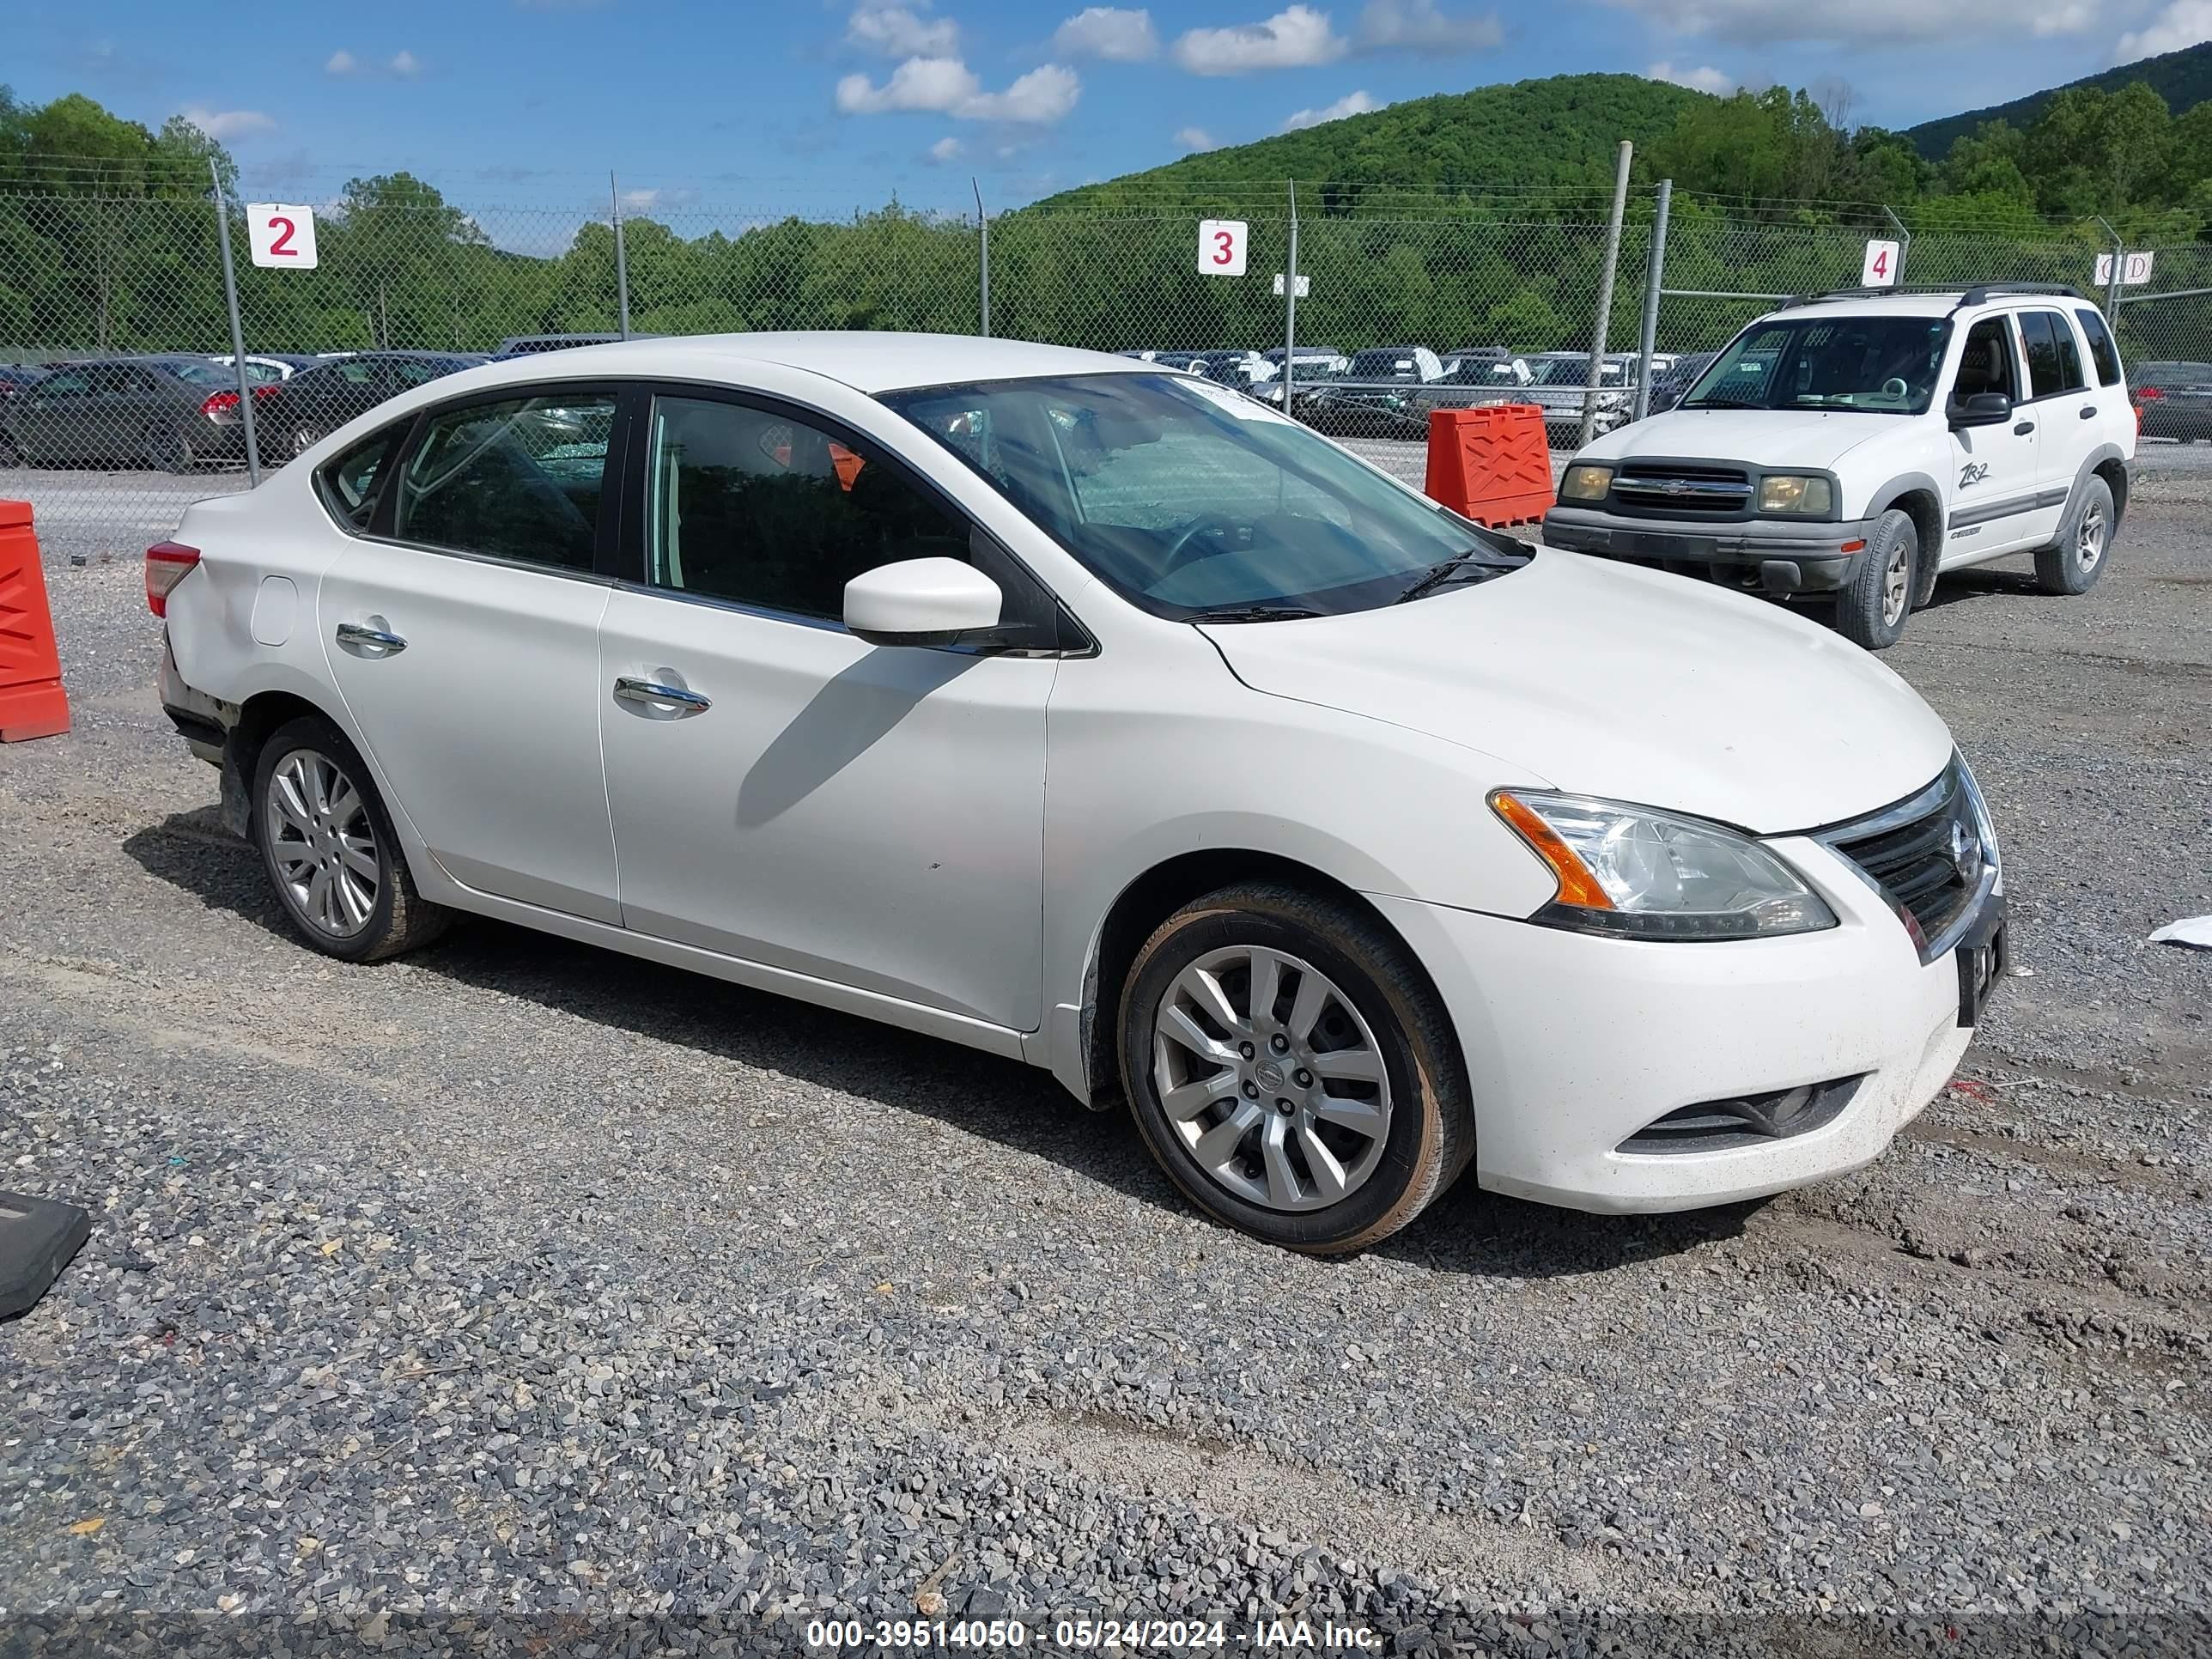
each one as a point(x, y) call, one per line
point(371, 640)
point(658, 695)
point(2088, 411)
point(2023, 429)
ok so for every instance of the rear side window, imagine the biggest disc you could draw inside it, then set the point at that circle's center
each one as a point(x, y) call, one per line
point(349, 482)
point(2054, 362)
point(518, 479)
point(2102, 351)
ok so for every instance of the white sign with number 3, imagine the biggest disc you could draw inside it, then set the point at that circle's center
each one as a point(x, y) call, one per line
point(1221, 247)
point(281, 235)
point(1881, 268)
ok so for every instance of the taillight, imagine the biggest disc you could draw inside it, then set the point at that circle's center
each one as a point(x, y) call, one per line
point(218, 400)
point(2142, 392)
point(168, 563)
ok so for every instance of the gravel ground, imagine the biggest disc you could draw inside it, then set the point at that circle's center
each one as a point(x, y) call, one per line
point(518, 1290)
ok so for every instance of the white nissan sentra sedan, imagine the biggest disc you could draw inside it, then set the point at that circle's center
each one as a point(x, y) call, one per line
point(1105, 719)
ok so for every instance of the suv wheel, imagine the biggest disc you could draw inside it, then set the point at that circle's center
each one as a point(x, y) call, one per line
point(2072, 562)
point(327, 845)
point(1871, 608)
point(1290, 1070)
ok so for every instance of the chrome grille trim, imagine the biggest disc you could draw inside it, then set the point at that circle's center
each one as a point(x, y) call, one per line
point(1908, 845)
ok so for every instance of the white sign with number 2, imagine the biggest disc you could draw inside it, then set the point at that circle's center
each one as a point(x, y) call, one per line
point(1881, 268)
point(1221, 247)
point(281, 234)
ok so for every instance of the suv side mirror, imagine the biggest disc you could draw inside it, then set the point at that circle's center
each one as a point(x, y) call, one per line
point(923, 602)
point(1981, 409)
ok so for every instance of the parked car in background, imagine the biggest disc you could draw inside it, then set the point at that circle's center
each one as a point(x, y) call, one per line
point(526, 345)
point(2173, 400)
point(1492, 364)
point(1246, 370)
point(1561, 382)
point(1668, 389)
point(1402, 365)
point(305, 409)
point(1100, 719)
point(175, 412)
point(270, 367)
point(1369, 399)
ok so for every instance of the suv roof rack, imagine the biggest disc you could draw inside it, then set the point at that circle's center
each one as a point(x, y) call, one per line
point(1970, 294)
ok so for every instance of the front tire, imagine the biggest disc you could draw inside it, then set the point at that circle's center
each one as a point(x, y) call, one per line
point(328, 848)
point(1871, 608)
point(1291, 1070)
point(2072, 564)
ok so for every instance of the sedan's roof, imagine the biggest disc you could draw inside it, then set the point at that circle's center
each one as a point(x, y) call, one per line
point(865, 361)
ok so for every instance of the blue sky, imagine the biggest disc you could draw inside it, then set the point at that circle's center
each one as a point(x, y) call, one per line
point(806, 105)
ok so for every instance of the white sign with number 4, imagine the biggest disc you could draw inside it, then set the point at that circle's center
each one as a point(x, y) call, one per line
point(281, 235)
point(1881, 268)
point(1221, 247)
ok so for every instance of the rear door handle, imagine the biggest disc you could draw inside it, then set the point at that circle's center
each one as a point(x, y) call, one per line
point(353, 635)
point(2023, 429)
point(2088, 411)
point(653, 694)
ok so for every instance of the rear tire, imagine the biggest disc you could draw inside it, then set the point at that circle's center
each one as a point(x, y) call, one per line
point(1349, 1114)
point(177, 455)
point(1871, 608)
point(2072, 564)
point(327, 845)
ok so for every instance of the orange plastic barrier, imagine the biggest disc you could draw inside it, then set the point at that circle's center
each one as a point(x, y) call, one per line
point(1492, 463)
point(32, 702)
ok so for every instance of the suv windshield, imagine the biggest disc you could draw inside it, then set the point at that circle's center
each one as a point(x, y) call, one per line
point(1187, 499)
point(1883, 365)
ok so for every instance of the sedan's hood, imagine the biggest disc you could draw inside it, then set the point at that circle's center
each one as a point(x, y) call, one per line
point(1775, 437)
point(1604, 679)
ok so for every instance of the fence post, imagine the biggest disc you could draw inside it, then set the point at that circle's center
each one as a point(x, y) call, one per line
point(983, 234)
point(1605, 291)
point(237, 333)
point(622, 259)
point(1291, 300)
point(2119, 259)
point(1904, 247)
point(1654, 273)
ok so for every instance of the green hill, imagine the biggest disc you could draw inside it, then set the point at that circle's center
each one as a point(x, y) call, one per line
point(2183, 78)
point(1557, 132)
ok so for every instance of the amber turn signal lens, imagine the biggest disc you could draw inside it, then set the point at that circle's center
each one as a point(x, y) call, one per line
point(1577, 885)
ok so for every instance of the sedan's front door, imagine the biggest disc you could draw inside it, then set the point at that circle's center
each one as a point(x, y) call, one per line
point(784, 792)
point(464, 637)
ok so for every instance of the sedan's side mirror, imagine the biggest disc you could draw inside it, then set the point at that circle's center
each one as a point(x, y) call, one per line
point(925, 602)
point(1981, 409)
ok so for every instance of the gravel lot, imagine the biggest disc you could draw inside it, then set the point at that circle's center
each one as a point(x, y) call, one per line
point(516, 1278)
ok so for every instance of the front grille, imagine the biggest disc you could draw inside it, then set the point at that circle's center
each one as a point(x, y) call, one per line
point(1719, 1125)
point(1925, 855)
point(1682, 489)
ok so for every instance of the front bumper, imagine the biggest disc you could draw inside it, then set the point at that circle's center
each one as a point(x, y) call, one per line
point(1782, 556)
point(1575, 1043)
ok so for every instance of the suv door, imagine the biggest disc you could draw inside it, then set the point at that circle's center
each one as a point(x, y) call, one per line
point(1994, 469)
point(2115, 420)
point(869, 815)
point(463, 632)
point(2068, 407)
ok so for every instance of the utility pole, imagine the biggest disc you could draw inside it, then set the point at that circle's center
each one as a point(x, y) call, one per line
point(1290, 302)
point(237, 333)
point(621, 260)
point(1654, 273)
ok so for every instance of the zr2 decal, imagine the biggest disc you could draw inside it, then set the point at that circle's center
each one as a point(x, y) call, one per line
point(1972, 473)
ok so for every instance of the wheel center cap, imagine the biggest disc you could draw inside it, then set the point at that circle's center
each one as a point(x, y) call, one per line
point(1269, 1074)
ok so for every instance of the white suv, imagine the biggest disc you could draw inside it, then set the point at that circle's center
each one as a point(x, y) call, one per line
point(1863, 443)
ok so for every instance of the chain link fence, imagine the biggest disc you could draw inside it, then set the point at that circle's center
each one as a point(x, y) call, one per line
point(120, 403)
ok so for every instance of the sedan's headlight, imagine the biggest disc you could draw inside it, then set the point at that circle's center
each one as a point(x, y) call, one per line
point(1636, 873)
point(1585, 484)
point(1791, 492)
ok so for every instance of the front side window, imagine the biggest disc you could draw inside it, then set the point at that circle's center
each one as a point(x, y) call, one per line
point(1877, 365)
point(755, 506)
point(1188, 499)
point(520, 479)
point(2054, 362)
point(2102, 351)
point(1987, 363)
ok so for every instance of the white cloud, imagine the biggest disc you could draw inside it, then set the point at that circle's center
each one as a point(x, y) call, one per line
point(2184, 23)
point(640, 199)
point(946, 149)
point(946, 86)
point(223, 125)
point(1705, 78)
point(1298, 38)
point(1352, 103)
point(1422, 26)
point(406, 64)
point(341, 62)
point(1196, 138)
point(902, 31)
point(1762, 22)
point(1113, 33)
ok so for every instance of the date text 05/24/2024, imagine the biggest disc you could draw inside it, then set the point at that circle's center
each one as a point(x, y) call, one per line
point(1091, 1635)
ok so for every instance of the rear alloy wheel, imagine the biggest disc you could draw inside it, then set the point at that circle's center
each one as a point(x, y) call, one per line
point(1290, 1070)
point(305, 439)
point(327, 844)
point(1872, 606)
point(2072, 564)
point(179, 454)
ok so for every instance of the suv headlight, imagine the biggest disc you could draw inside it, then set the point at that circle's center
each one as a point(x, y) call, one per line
point(1632, 872)
point(1792, 492)
point(1585, 484)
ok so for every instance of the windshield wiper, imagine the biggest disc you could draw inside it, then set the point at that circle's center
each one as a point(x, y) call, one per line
point(1450, 570)
point(1245, 613)
point(1720, 403)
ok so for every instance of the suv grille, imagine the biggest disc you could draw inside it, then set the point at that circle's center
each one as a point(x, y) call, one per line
point(1926, 854)
point(1683, 489)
